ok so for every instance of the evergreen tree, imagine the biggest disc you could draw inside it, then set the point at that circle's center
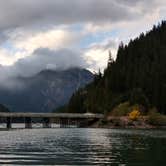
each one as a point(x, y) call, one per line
point(138, 75)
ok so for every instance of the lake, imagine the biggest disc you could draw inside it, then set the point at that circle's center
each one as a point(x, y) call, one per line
point(76, 146)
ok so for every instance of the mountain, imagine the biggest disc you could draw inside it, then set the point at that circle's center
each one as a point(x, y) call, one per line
point(137, 76)
point(3, 108)
point(44, 91)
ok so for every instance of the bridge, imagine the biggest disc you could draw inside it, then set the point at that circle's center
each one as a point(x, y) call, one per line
point(63, 119)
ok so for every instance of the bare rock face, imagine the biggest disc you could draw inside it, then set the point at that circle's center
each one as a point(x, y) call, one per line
point(45, 91)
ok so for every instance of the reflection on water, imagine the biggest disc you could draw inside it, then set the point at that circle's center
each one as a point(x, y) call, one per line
point(83, 147)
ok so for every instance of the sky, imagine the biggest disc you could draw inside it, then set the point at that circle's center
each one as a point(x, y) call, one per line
point(59, 34)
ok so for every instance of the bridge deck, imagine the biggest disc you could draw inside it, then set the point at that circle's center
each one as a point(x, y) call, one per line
point(51, 115)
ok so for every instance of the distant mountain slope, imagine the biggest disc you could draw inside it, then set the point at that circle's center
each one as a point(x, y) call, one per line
point(4, 108)
point(45, 91)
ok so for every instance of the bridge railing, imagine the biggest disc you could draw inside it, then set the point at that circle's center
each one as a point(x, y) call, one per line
point(63, 119)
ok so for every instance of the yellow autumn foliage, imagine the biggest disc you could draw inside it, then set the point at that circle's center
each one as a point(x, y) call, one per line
point(134, 115)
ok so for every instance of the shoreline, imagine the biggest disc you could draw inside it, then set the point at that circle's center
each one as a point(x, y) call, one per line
point(96, 127)
point(124, 122)
point(146, 128)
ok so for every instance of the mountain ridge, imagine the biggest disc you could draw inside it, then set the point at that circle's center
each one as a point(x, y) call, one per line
point(45, 91)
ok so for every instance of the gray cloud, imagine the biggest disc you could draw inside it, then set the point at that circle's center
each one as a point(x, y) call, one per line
point(44, 58)
point(38, 14)
point(107, 45)
point(20, 13)
point(41, 59)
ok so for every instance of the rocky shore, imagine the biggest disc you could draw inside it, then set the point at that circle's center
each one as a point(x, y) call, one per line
point(142, 122)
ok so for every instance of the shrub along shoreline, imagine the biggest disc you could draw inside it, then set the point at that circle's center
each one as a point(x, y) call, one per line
point(132, 116)
point(124, 122)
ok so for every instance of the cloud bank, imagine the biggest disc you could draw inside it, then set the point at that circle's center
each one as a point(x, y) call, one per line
point(44, 58)
point(18, 13)
point(41, 59)
point(59, 34)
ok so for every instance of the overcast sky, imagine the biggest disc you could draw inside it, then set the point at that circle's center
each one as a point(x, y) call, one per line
point(58, 34)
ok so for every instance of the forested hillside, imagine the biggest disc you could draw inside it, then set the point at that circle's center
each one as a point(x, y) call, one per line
point(137, 76)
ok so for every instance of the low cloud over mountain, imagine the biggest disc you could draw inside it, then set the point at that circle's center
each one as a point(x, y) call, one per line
point(43, 91)
point(59, 34)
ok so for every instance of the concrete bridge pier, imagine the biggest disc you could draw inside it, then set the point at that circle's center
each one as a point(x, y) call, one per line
point(63, 123)
point(82, 123)
point(56, 121)
point(76, 123)
point(46, 123)
point(8, 123)
point(28, 122)
point(68, 122)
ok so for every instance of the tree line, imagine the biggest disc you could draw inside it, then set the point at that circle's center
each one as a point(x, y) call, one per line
point(138, 75)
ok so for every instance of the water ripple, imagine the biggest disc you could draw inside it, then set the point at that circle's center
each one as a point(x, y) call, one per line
point(83, 147)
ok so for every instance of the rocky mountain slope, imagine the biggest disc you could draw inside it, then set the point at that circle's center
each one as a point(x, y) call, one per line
point(45, 91)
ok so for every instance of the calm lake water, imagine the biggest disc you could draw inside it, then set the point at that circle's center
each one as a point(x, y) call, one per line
point(83, 147)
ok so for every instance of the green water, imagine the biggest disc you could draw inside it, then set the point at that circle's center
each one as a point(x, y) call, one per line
point(83, 147)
